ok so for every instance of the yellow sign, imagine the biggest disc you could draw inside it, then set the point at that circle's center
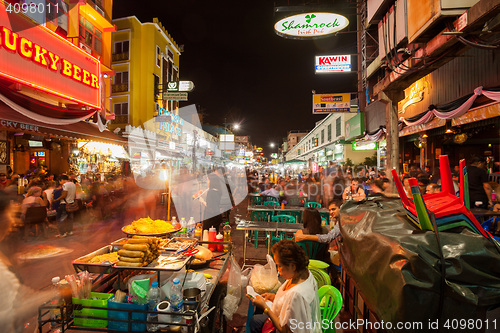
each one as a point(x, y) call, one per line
point(414, 94)
point(328, 103)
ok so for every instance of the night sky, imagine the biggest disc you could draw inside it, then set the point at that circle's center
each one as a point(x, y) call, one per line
point(243, 72)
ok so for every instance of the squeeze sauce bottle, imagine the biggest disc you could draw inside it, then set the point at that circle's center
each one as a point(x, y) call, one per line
point(212, 233)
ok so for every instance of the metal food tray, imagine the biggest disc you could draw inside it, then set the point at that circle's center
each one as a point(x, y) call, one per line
point(161, 234)
point(81, 263)
point(119, 243)
point(192, 241)
point(155, 265)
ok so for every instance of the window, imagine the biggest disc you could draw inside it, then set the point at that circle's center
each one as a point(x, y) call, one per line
point(156, 85)
point(121, 78)
point(322, 136)
point(121, 109)
point(57, 13)
point(338, 126)
point(158, 56)
point(122, 47)
point(90, 35)
point(329, 130)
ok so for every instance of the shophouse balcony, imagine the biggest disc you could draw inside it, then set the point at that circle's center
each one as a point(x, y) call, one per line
point(117, 88)
point(119, 56)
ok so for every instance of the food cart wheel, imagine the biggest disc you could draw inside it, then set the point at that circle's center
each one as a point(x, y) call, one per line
point(217, 321)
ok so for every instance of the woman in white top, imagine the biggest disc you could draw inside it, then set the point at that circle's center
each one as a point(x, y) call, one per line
point(295, 306)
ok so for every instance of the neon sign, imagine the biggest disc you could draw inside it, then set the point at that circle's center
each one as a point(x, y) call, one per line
point(37, 57)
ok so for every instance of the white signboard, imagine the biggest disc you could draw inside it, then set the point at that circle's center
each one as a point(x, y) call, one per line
point(333, 64)
point(310, 25)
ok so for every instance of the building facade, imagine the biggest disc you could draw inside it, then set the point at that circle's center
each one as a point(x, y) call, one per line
point(55, 74)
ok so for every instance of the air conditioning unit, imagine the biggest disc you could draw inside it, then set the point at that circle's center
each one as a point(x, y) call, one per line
point(85, 48)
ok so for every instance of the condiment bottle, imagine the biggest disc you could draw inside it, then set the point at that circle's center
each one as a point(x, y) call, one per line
point(219, 238)
point(205, 237)
point(198, 231)
point(212, 233)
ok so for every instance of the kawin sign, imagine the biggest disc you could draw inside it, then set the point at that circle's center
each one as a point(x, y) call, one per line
point(310, 25)
point(35, 56)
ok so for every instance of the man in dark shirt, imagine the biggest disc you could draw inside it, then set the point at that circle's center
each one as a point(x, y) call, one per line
point(479, 189)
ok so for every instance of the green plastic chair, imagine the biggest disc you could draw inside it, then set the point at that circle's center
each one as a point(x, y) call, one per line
point(285, 219)
point(260, 216)
point(330, 300)
point(302, 201)
point(271, 203)
point(295, 213)
point(312, 248)
point(270, 198)
point(257, 201)
point(313, 204)
point(324, 221)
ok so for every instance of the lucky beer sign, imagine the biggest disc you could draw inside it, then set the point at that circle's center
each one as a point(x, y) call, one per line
point(35, 56)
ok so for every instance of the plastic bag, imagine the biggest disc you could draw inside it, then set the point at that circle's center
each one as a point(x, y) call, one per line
point(233, 295)
point(264, 279)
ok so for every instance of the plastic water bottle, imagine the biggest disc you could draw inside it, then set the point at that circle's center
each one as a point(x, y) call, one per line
point(183, 227)
point(154, 297)
point(175, 224)
point(176, 299)
point(227, 236)
point(191, 225)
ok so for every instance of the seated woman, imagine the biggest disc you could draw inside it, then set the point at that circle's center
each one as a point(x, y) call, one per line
point(295, 306)
point(33, 199)
point(311, 220)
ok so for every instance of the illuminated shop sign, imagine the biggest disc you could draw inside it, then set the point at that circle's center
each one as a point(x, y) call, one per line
point(310, 25)
point(172, 126)
point(364, 145)
point(332, 64)
point(328, 103)
point(35, 56)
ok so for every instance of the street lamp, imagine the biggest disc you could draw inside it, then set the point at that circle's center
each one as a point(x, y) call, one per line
point(236, 126)
point(271, 145)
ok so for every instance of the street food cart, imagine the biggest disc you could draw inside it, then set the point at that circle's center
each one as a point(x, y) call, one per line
point(204, 315)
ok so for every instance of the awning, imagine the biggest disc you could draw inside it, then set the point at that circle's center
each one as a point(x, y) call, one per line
point(478, 114)
point(435, 123)
point(13, 120)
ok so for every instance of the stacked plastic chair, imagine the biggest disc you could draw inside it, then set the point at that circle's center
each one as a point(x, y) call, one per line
point(330, 303)
point(449, 210)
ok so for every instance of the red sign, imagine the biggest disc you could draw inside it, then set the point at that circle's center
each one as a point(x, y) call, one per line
point(39, 58)
point(463, 21)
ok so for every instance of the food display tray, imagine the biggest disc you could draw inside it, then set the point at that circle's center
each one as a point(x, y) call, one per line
point(162, 234)
point(82, 264)
point(155, 265)
point(187, 241)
